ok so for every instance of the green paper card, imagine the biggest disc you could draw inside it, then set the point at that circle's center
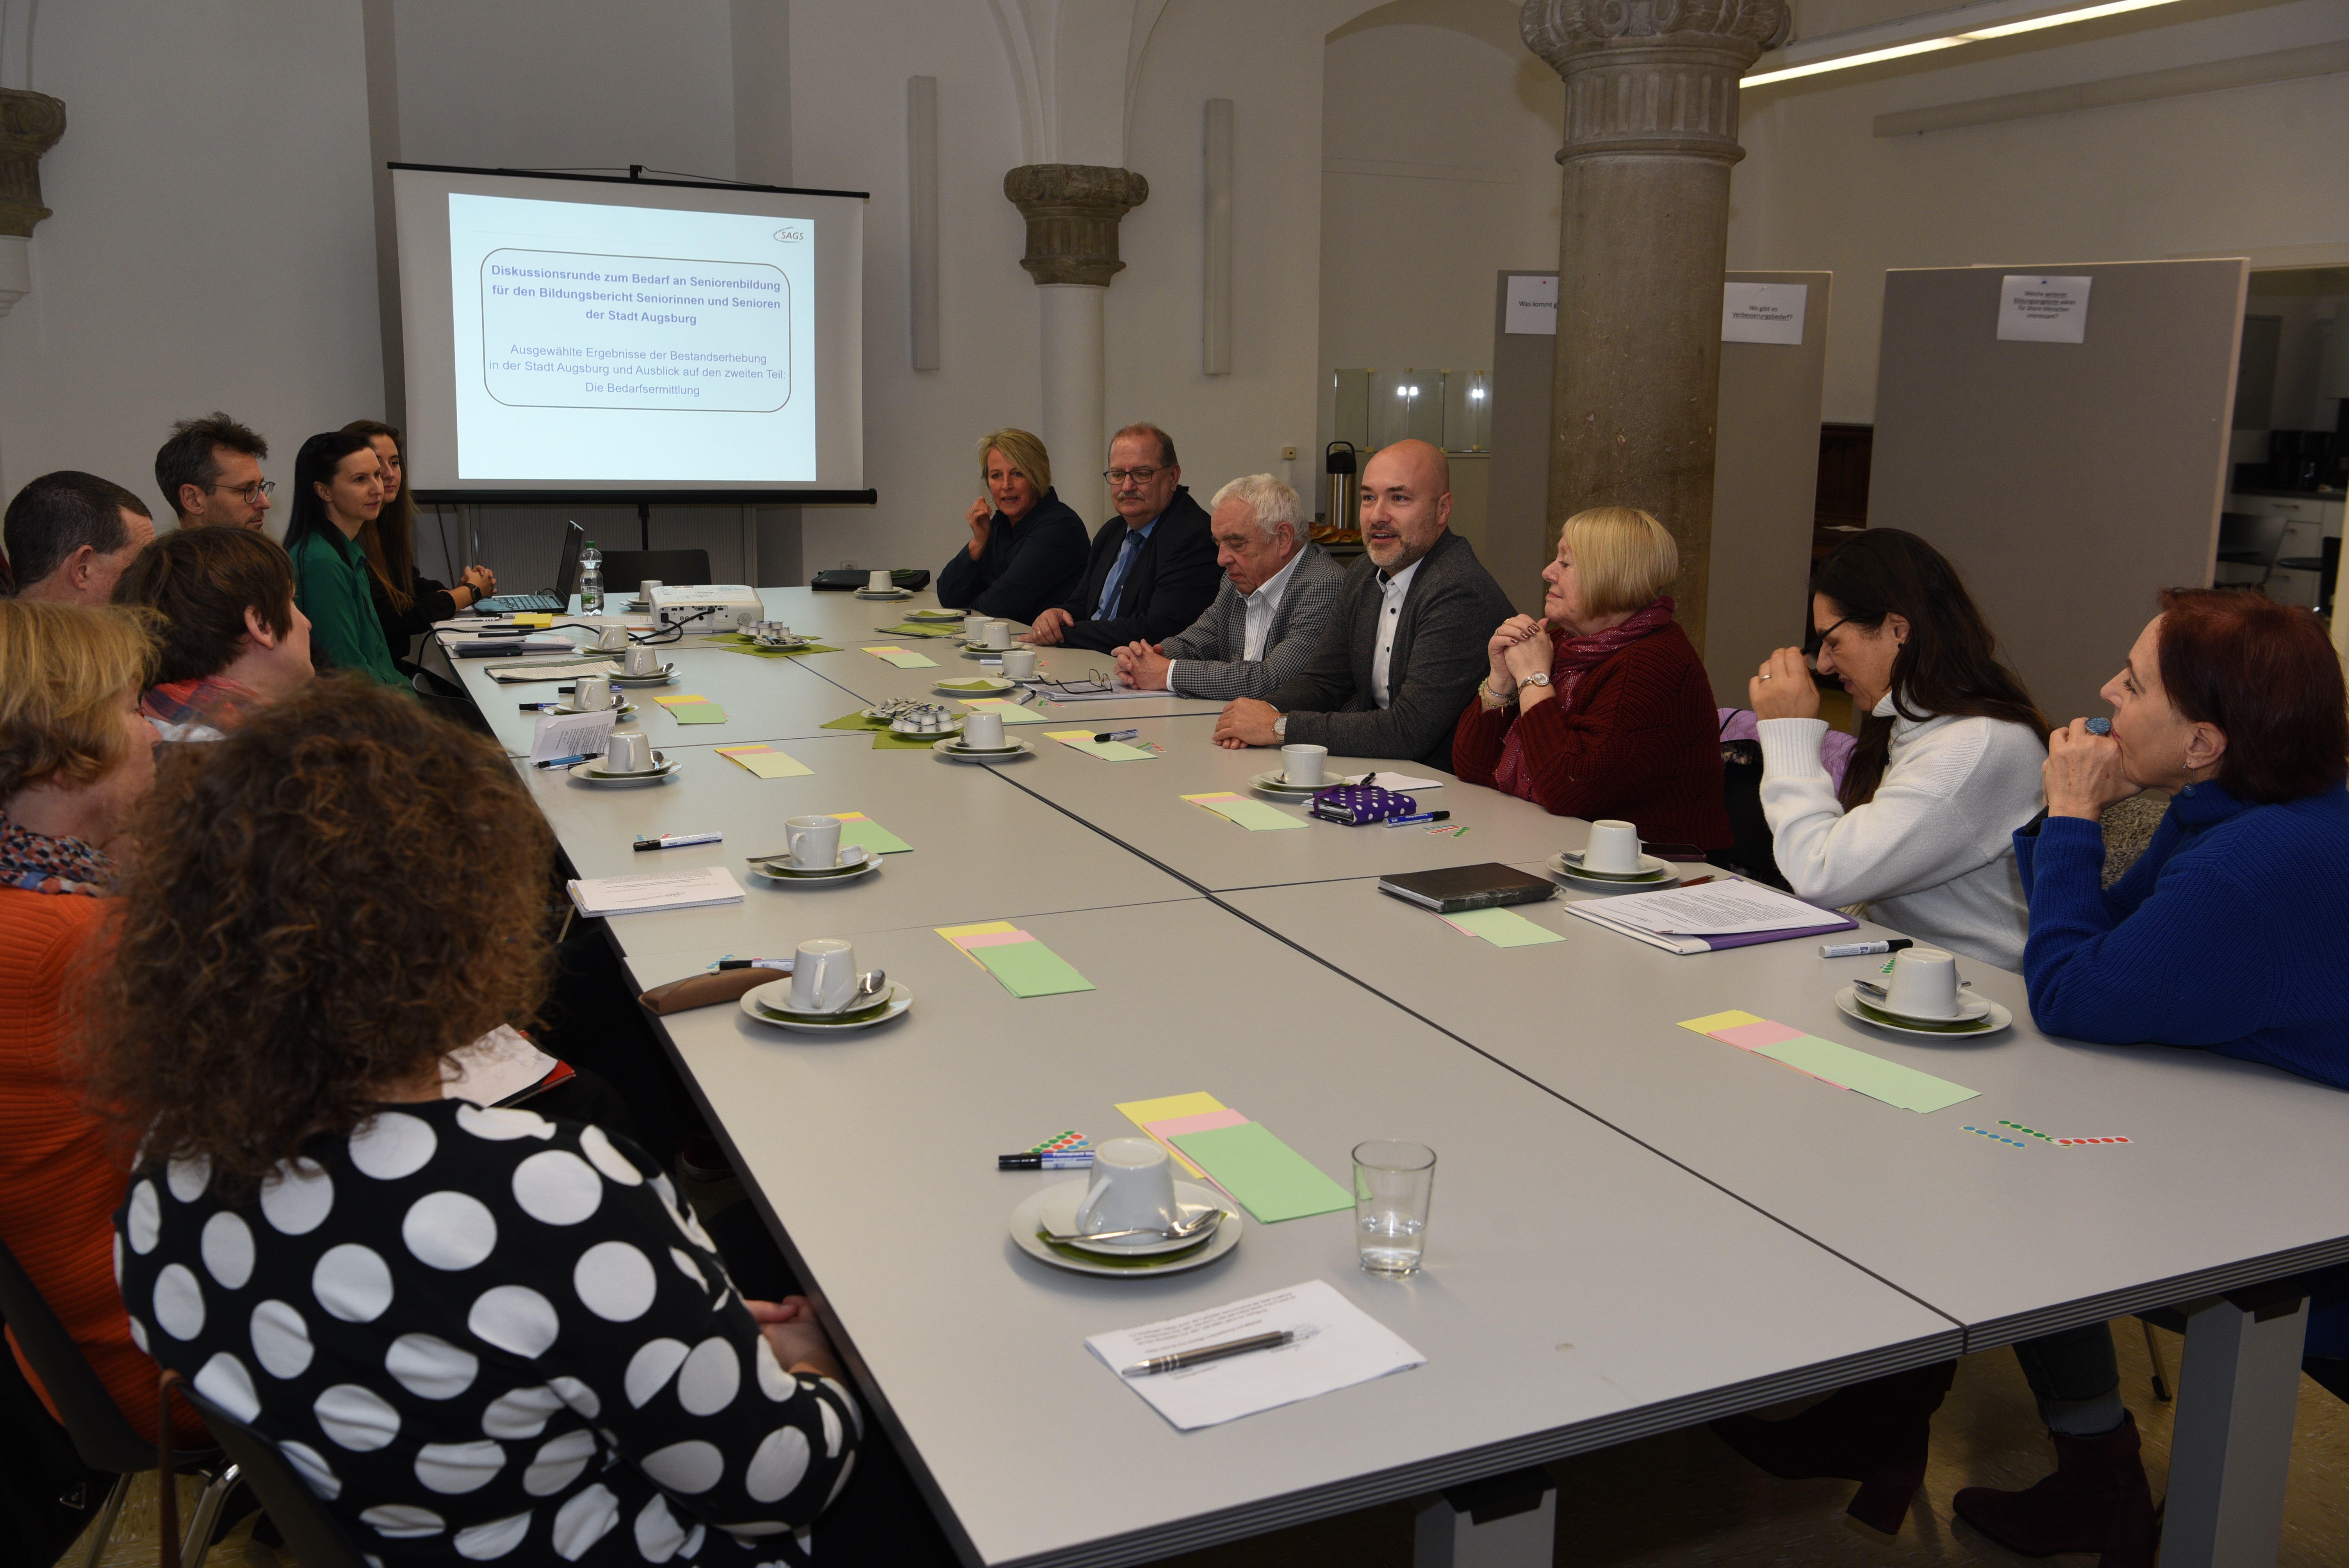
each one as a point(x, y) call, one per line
point(871, 835)
point(912, 630)
point(1030, 969)
point(904, 658)
point(759, 652)
point(697, 713)
point(1271, 1179)
point(1503, 927)
point(1872, 1075)
point(855, 721)
point(890, 740)
point(1255, 816)
point(1107, 750)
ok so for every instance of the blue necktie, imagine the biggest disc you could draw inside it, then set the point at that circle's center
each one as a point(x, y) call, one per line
point(1125, 555)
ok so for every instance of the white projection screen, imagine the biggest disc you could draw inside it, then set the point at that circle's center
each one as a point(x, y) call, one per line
point(575, 338)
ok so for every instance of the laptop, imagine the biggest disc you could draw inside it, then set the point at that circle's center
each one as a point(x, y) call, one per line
point(557, 599)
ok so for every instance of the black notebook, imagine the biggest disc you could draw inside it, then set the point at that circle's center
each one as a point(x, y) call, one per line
point(1455, 888)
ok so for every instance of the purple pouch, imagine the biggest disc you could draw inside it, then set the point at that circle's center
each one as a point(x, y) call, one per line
point(1355, 804)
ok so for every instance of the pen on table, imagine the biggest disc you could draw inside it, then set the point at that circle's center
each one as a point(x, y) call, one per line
point(674, 841)
point(540, 707)
point(1415, 821)
point(1118, 735)
point(564, 761)
point(1182, 1358)
point(1073, 1159)
point(782, 965)
point(1863, 949)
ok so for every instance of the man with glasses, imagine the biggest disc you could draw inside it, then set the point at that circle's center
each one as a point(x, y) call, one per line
point(1153, 571)
point(210, 472)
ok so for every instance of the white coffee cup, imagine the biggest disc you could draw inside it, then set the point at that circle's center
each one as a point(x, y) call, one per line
point(611, 639)
point(997, 634)
point(1923, 984)
point(983, 730)
point(1020, 664)
point(645, 589)
point(640, 660)
point(630, 752)
point(1132, 1188)
point(824, 974)
point(974, 628)
point(1302, 765)
point(811, 842)
point(593, 694)
point(1614, 846)
point(879, 581)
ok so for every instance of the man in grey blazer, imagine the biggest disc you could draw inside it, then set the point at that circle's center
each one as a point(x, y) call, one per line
point(1406, 647)
point(1277, 591)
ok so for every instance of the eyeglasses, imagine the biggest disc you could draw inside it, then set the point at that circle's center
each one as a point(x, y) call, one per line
point(252, 495)
point(1139, 476)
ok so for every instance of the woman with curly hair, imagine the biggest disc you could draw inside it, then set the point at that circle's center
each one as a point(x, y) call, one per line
point(474, 1331)
point(74, 757)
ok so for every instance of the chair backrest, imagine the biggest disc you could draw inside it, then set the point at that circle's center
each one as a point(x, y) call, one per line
point(317, 1537)
point(1753, 849)
point(101, 1434)
point(624, 569)
point(2248, 539)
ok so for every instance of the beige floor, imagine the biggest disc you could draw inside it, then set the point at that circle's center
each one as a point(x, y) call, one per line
point(1682, 1499)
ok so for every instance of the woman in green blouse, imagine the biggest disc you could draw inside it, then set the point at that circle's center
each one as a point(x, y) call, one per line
point(338, 490)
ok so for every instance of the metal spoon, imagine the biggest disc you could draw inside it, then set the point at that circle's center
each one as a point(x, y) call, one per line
point(1181, 1230)
point(1873, 989)
point(873, 985)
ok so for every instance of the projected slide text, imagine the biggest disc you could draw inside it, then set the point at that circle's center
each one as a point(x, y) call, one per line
point(570, 330)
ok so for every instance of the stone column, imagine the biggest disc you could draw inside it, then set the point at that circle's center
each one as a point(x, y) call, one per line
point(1073, 211)
point(30, 124)
point(1650, 134)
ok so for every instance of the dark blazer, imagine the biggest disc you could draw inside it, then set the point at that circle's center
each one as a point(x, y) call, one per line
point(1448, 617)
point(1173, 583)
point(428, 601)
point(1211, 658)
point(1027, 568)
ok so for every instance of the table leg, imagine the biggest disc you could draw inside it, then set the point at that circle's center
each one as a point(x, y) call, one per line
point(1502, 1522)
point(2237, 1387)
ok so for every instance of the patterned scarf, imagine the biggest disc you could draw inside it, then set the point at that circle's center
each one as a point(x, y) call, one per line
point(207, 702)
point(39, 864)
point(1574, 657)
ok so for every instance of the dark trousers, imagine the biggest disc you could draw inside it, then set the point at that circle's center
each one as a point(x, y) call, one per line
point(2073, 1365)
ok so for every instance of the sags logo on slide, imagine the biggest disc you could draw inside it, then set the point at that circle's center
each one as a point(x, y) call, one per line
point(789, 235)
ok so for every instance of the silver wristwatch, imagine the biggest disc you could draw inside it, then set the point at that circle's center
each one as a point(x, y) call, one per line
point(1280, 727)
point(1539, 677)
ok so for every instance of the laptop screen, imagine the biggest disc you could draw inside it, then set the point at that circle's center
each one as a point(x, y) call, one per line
point(566, 569)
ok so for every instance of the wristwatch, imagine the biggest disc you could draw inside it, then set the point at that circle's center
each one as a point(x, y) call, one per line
point(1539, 677)
point(1280, 727)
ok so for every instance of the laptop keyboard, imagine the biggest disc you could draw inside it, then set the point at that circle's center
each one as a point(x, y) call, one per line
point(520, 604)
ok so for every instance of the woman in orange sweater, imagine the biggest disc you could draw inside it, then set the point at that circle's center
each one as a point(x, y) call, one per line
point(74, 757)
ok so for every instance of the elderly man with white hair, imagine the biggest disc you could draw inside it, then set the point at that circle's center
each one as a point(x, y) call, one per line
point(1277, 591)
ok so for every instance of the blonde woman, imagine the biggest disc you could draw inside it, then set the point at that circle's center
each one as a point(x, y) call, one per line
point(1601, 708)
point(1026, 550)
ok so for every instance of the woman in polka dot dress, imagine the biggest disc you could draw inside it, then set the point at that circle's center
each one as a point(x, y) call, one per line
point(473, 1332)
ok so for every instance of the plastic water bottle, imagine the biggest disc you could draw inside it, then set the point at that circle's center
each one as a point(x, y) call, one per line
point(591, 580)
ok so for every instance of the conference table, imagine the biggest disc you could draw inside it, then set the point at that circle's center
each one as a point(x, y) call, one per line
point(1636, 1227)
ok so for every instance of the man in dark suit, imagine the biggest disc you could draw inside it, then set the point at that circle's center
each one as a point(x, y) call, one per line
point(1152, 570)
point(1406, 645)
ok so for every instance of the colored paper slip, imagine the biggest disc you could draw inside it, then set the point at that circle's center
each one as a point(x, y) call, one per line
point(1754, 1035)
point(1890, 1082)
point(1711, 1021)
point(905, 659)
point(1143, 1113)
point(1011, 711)
point(909, 629)
point(955, 934)
point(1255, 816)
point(1501, 927)
point(765, 761)
point(673, 701)
point(1205, 1122)
point(703, 711)
point(1029, 969)
point(856, 827)
point(1273, 1181)
point(1107, 750)
point(536, 620)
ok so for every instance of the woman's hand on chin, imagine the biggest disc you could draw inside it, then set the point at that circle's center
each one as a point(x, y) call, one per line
point(2083, 773)
point(1784, 687)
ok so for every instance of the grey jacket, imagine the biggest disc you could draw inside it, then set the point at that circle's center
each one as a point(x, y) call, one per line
point(1449, 616)
point(1213, 649)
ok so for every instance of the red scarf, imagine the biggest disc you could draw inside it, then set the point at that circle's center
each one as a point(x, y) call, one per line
point(1572, 658)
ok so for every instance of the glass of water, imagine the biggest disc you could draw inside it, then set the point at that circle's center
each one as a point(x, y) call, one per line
point(1393, 1184)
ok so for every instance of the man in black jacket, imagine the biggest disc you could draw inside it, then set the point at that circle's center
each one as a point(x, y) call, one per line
point(1406, 645)
point(1153, 571)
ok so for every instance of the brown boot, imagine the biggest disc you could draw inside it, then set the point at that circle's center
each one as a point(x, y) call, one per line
point(2097, 1501)
point(1875, 1433)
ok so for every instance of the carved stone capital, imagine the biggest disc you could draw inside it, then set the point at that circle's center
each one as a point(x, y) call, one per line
point(30, 124)
point(1653, 76)
point(1073, 211)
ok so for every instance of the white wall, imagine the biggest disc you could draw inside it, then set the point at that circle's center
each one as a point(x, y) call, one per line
point(213, 239)
point(2256, 169)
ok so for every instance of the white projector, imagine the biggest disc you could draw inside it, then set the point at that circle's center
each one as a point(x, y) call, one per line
point(704, 607)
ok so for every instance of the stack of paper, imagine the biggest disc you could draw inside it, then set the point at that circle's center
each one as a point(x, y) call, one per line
point(1241, 1159)
point(499, 1066)
point(1337, 1346)
point(648, 891)
point(1025, 965)
point(1831, 1063)
point(765, 761)
point(692, 709)
point(559, 735)
point(1727, 914)
point(1255, 816)
point(903, 658)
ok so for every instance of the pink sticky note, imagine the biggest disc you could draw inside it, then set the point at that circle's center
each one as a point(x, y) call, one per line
point(1753, 1037)
point(992, 939)
point(1174, 1126)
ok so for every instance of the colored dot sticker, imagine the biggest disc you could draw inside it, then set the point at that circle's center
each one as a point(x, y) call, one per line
point(1996, 1138)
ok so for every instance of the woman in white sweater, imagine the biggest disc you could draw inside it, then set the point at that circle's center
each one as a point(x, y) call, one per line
point(1948, 763)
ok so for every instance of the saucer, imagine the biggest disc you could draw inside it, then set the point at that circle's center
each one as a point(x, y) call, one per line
point(1997, 1018)
point(761, 1004)
point(846, 871)
point(885, 593)
point(961, 753)
point(565, 710)
point(899, 726)
point(969, 652)
point(1273, 781)
point(1028, 1217)
point(1665, 877)
point(667, 674)
point(1971, 1009)
point(785, 645)
point(592, 772)
point(934, 614)
point(984, 685)
point(1059, 1214)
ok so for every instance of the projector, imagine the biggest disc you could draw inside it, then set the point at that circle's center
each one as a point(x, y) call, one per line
point(704, 607)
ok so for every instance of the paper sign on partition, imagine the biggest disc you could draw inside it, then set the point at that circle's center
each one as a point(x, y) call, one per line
point(2034, 309)
point(1532, 310)
point(1763, 312)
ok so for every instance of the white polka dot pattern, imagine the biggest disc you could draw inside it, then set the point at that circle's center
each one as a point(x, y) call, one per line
point(450, 1231)
point(393, 1144)
point(429, 1367)
point(483, 1543)
point(226, 1383)
point(520, 1414)
point(352, 1283)
point(614, 1280)
point(650, 1368)
point(608, 1160)
point(576, 1395)
point(712, 1376)
point(403, 1521)
point(773, 1382)
point(188, 1178)
point(500, 1124)
point(145, 1218)
point(357, 1418)
point(514, 1317)
point(227, 1248)
point(138, 1334)
point(558, 1464)
point(658, 1534)
point(454, 1469)
point(281, 1340)
point(179, 1302)
point(557, 1188)
point(584, 1520)
point(691, 1467)
point(117, 1260)
point(296, 1199)
point(830, 1432)
point(688, 1267)
point(778, 1464)
point(312, 1467)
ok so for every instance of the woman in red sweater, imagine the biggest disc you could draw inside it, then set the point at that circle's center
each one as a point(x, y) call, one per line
point(74, 757)
point(1601, 708)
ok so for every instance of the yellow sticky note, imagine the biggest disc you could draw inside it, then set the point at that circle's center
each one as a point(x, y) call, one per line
point(1068, 735)
point(673, 701)
point(765, 761)
point(538, 619)
point(980, 929)
point(1142, 1112)
point(1729, 1020)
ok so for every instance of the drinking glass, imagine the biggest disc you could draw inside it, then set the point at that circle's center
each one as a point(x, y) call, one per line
point(1393, 1184)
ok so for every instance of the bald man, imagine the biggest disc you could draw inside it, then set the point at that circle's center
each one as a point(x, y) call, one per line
point(1404, 649)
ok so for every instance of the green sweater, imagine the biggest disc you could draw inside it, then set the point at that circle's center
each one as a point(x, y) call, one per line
point(330, 584)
